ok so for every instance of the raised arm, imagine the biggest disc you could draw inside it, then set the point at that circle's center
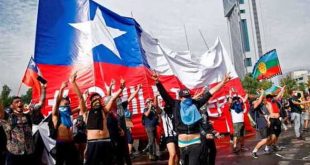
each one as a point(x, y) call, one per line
point(280, 94)
point(220, 85)
point(56, 106)
point(156, 102)
point(110, 88)
point(197, 95)
point(82, 104)
point(134, 93)
point(260, 99)
point(162, 91)
point(245, 99)
point(42, 97)
point(108, 106)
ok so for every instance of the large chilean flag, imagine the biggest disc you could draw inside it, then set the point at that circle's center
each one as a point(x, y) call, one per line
point(80, 35)
point(83, 36)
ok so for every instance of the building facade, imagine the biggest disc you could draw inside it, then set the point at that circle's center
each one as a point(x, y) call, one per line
point(244, 28)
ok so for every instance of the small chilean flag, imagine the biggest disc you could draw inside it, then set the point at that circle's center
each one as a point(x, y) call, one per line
point(30, 77)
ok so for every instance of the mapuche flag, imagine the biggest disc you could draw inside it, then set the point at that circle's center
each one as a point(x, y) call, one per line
point(267, 66)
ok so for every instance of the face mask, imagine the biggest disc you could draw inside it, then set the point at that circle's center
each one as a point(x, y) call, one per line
point(65, 116)
point(96, 104)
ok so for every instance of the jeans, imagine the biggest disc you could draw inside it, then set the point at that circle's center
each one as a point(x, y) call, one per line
point(190, 155)
point(151, 134)
point(296, 117)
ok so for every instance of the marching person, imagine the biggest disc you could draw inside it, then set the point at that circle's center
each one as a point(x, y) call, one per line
point(66, 152)
point(296, 113)
point(17, 126)
point(171, 138)
point(99, 146)
point(261, 122)
point(274, 117)
point(188, 119)
point(237, 110)
point(150, 123)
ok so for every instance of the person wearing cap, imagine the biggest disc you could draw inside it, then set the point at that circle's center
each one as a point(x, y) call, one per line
point(188, 120)
point(99, 146)
point(66, 152)
point(274, 117)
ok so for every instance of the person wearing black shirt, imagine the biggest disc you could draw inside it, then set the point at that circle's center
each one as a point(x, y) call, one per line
point(296, 113)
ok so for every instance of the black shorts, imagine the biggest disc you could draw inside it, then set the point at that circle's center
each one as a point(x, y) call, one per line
point(171, 139)
point(275, 127)
point(99, 152)
point(264, 132)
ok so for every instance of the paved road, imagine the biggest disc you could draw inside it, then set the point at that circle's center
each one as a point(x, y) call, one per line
point(295, 153)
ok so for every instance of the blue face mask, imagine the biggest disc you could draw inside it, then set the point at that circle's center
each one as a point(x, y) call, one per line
point(189, 112)
point(65, 116)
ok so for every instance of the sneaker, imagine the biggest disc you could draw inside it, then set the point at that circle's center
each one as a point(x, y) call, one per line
point(300, 138)
point(267, 151)
point(254, 155)
point(152, 157)
point(276, 148)
point(132, 156)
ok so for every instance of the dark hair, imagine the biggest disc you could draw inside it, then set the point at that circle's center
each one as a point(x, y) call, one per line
point(66, 98)
point(299, 95)
point(93, 95)
point(269, 96)
point(15, 98)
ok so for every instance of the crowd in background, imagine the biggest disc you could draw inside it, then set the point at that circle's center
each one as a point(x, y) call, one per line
point(101, 132)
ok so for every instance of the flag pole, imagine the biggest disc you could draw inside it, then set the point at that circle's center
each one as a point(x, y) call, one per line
point(204, 40)
point(20, 84)
point(186, 38)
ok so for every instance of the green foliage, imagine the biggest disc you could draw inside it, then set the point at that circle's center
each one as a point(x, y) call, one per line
point(290, 84)
point(251, 85)
point(5, 98)
point(28, 96)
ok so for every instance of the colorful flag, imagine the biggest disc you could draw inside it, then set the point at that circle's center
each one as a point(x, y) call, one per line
point(267, 66)
point(101, 45)
point(30, 77)
point(273, 90)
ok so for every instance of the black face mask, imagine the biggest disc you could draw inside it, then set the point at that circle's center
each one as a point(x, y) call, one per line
point(96, 105)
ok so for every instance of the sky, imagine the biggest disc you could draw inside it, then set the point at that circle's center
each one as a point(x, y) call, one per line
point(286, 27)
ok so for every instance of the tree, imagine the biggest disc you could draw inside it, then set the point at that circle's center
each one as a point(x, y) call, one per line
point(290, 84)
point(5, 95)
point(251, 85)
point(28, 96)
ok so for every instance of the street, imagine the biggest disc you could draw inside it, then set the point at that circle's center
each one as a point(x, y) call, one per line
point(294, 152)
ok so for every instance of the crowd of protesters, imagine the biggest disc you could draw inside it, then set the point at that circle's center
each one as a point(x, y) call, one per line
point(101, 132)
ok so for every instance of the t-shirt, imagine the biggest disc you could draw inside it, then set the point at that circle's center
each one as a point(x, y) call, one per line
point(167, 120)
point(237, 117)
point(294, 107)
point(152, 119)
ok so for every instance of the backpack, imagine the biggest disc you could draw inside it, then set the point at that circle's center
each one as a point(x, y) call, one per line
point(237, 106)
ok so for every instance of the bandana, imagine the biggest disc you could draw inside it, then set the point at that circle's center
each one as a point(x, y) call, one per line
point(65, 116)
point(189, 112)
